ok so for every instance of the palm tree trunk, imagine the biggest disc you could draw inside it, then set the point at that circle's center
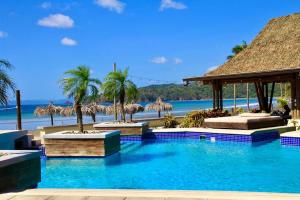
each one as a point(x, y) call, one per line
point(79, 116)
point(123, 112)
point(159, 114)
point(130, 117)
point(122, 101)
point(93, 117)
point(52, 121)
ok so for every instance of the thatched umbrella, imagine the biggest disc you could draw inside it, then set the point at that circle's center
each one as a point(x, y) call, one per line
point(50, 110)
point(92, 109)
point(67, 111)
point(159, 106)
point(133, 108)
point(129, 109)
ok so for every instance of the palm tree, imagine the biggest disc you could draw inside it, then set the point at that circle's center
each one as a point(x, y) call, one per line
point(237, 49)
point(92, 109)
point(117, 85)
point(79, 85)
point(159, 106)
point(6, 82)
point(49, 110)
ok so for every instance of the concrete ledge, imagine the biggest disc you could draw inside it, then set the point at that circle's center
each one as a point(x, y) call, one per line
point(280, 129)
point(125, 128)
point(67, 135)
point(43, 194)
point(109, 124)
point(294, 134)
point(19, 170)
point(14, 156)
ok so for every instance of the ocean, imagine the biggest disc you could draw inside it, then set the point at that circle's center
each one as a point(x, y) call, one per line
point(32, 122)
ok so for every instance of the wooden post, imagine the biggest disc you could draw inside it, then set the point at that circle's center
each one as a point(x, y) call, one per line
point(258, 95)
point(297, 102)
point(214, 95)
point(19, 112)
point(293, 98)
point(234, 96)
point(248, 99)
point(115, 103)
point(221, 95)
point(281, 90)
point(271, 96)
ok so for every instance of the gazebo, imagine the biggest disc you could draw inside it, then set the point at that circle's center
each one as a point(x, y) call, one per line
point(273, 57)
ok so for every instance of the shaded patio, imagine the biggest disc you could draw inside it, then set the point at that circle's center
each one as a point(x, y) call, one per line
point(273, 57)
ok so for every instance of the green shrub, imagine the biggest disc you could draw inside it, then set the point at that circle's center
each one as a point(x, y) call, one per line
point(195, 119)
point(282, 102)
point(170, 121)
point(238, 110)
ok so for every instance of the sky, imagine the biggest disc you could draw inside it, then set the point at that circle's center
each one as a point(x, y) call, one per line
point(161, 41)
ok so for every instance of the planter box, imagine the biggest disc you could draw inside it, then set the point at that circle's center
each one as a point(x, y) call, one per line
point(19, 169)
point(125, 128)
point(65, 144)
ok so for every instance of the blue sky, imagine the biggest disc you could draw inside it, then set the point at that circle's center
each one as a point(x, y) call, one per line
point(161, 41)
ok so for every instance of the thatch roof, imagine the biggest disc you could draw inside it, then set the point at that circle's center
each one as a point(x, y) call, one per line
point(277, 47)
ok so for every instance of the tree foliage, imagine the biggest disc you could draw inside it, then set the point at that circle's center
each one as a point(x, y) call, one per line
point(6, 82)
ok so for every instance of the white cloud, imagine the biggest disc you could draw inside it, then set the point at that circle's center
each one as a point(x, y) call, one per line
point(3, 34)
point(159, 60)
point(178, 61)
point(46, 5)
point(171, 4)
point(211, 69)
point(68, 42)
point(57, 21)
point(112, 5)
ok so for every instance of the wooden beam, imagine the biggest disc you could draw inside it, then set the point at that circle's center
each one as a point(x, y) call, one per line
point(271, 96)
point(258, 95)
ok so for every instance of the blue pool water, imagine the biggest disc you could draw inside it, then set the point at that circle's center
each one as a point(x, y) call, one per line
point(183, 165)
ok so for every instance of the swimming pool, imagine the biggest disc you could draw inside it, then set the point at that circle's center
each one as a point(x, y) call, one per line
point(182, 165)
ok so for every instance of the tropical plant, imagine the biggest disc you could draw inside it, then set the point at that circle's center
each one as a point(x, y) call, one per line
point(170, 121)
point(237, 49)
point(237, 111)
point(79, 85)
point(159, 106)
point(282, 102)
point(6, 82)
point(119, 86)
point(49, 110)
point(195, 119)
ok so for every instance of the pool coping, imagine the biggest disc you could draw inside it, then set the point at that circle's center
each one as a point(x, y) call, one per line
point(144, 194)
point(221, 131)
point(66, 135)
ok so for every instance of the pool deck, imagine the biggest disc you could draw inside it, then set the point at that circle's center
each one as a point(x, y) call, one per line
point(293, 134)
point(280, 129)
point(65, 194)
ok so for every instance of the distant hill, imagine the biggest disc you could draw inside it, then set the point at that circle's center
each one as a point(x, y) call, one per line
point(173, 92)
point(194, 92)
